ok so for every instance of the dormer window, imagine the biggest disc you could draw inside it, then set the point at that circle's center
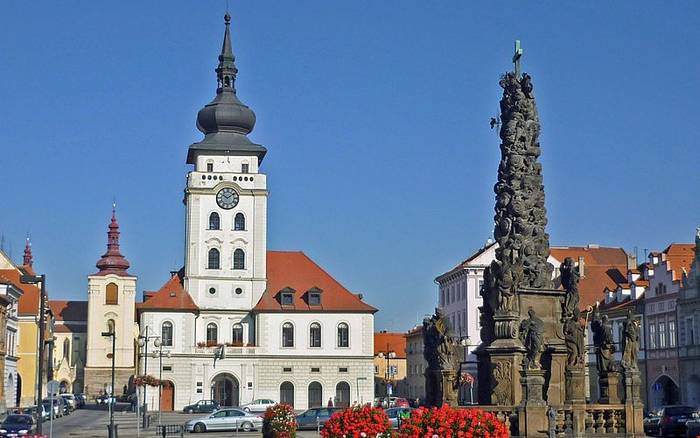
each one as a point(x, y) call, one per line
point(287, 296)
point(313, 296)
point(210, 167)
point(244, 168)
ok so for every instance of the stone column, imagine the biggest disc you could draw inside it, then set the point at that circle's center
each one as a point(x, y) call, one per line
point(609, 381)
point(449, 394)
point(532, 420)
point(634, 408)
point(576, 398)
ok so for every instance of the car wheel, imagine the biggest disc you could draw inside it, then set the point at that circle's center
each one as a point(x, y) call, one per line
point(247, 426)
point(200, 427)
point(190, 411)
point(246, 409)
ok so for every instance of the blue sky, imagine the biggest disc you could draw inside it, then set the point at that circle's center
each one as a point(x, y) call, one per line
point(381, 162)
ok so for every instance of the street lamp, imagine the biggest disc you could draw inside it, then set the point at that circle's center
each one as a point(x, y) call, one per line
point(143, 342)
point(387, 374)
point(160, 355)
point(34, 279)
point(466, 342)
point(111, 334)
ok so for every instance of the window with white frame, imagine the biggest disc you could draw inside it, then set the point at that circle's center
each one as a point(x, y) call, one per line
point(315, 335)
point(672, 333)
point(166, 334)
point(652, 336)
point(343, 335)
point(288, 335)
point(662, 335)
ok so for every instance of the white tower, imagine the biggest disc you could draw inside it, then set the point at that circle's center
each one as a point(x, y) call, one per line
point(226, 203)
point(111, 307)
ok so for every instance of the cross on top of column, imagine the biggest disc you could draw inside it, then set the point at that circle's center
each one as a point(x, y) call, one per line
point(516, 57)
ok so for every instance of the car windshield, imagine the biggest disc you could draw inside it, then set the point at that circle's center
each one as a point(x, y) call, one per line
point(18, 419)
point(679, 410)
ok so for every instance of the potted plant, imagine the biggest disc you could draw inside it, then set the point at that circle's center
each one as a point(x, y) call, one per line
point(358, 421)
point(279, 422)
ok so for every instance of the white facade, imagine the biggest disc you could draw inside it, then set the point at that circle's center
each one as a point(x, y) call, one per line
point(11, 344)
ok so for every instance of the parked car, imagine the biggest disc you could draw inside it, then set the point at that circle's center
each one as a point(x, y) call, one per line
point(31, 410)
point(105, 399)
point(201, 407)
point(81, 399)
point(673, 419)
point(70, 400)
point(315, 417)
point(226, 419)
point(57, 411)
point(651, 424)
point(397, 414)
point(692, 428)
point(65, 407)
point(401, 403)
point(259, 405)
point(17, 425)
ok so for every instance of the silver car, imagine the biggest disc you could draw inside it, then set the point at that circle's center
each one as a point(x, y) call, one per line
point(226, 419)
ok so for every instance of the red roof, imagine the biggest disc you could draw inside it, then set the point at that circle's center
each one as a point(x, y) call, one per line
point(603, 267)
point(171, 296)
point(679, 256)
point(386, 341)
point(295, 270)
point(69, 310)
point(28, 303)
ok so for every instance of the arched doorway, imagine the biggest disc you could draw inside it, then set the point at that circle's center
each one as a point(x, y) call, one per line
point(342, 394)
point(693, 389)
point(225, 390)
point(664, 391)
point(287, 393)
point(315, 395)
point(167, 396)
point(18, 396)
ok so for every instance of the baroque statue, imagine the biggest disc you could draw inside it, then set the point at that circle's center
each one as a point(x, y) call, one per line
point(569, 280)
point(630, 342)
point(440, 352)
point(603, 342)
point(575, 339)
point(520, 219)
point(532, 337)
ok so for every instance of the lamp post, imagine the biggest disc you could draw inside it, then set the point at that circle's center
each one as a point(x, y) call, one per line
point(112, 432)
point(387, 374)
point(143, 342)
point(34, 279)
point(466, 342)
point(160, 355)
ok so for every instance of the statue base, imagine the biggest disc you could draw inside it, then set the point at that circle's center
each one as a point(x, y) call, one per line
point(440, 388)
point(575, 384)
point(609, 381)
point(532, 415)
point(634, 408)
point(449, 392)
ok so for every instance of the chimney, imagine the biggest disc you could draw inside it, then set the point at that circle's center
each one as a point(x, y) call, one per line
point(581, 267)
point(631, 261)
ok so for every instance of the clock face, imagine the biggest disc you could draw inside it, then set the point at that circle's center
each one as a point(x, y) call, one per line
point(227, 198)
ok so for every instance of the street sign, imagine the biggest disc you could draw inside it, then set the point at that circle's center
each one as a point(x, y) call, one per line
point(53, 387)
point(389, 389)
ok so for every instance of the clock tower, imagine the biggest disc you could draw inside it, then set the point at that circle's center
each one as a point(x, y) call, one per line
point(226, 202)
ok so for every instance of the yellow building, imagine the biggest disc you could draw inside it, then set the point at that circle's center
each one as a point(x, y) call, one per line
point(390, 364)
point(70, 344)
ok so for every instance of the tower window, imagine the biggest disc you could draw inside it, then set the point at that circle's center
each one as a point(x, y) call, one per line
point(112, 294)
point(110, 326)
point(66, 350)
point(244, 168)
point(237, 335)
point(210, 167)
point(238, 259)
point(213, 259)
point(239, 222)
point(214, 221)
point(166, 334)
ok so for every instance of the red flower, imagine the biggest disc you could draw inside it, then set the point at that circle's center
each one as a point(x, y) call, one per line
point(452, 422)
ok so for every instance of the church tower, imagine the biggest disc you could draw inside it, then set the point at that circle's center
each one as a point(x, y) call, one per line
point(226, 202)
point(111, 307)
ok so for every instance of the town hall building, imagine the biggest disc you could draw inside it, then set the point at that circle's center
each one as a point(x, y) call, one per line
point(238, 322)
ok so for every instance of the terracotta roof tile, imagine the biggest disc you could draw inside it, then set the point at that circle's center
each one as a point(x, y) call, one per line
point(69, 310)
point(387, 341)
point(603, 267)
point(679, 256)
point(296, 270)
point(171, 296)
point(70, 328)
point(28, 303)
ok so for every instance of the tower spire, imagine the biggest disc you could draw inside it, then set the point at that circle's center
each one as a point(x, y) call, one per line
point(226, 71)
point(113, 262)
point(28, 259)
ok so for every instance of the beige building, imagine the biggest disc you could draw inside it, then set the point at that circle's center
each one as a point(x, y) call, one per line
point(390, 364)
point(70, 342)
point(415, 363)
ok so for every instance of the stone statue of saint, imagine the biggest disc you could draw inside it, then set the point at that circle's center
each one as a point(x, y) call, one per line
point(569, 281)
point(532, 337)
point(575, 338)
point(440, 352)
point(630, 342)
point(603, 341)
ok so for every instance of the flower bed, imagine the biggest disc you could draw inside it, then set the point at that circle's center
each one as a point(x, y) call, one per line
point(279, 422)
point(446, 422)
point(357, 422)
point(146, 380)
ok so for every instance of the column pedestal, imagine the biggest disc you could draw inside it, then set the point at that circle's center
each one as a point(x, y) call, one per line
point(634, 408)
point(532, 420)
point(609, 381)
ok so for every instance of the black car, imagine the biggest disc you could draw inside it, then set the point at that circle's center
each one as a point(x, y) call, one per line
point(17, 425)
point(673, 418)
point(651, 424)
point(201, 407)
